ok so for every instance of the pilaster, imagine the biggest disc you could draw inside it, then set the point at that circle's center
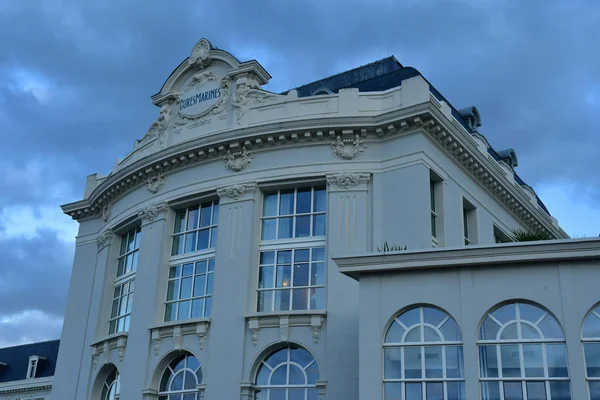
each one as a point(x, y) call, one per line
point(153, 251)
point(235, 263)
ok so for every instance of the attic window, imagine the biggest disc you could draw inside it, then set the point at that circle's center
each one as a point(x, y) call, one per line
point(33, 365)
point(322, 90)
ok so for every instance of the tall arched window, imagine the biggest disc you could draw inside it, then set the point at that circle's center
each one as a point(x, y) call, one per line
point(181, 378)
point(591, 349)
point(112, 386)
point(522, 355)
point(287, 374)
point(423, 357)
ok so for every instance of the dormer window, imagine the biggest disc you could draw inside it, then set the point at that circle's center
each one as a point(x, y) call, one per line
point(33, 365)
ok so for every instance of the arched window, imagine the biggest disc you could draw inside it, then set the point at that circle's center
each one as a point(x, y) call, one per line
point(423, 357)
point(522, 355)
point(591, 350)
point(181, 378)
point(112, 386)
point(287, 374)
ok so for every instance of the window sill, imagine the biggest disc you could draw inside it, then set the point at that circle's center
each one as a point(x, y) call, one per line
point(283, 320)
point(115, 342)
point(177, 330)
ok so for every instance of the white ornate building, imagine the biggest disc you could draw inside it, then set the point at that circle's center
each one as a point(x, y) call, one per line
point(203, 265)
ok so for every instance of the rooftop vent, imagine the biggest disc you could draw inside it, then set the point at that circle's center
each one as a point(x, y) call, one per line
point(509, 156)
point(471, 116)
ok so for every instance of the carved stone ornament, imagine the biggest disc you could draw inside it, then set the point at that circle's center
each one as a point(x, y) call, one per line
point(122, 352)
point(347, 180)
point(255, 332)
point(106, 212)
point(316, 334)
point(238, 160)
point(156, 182)
point(104, 238)
point(245, 95)
point(94, 360)
point(235, 191)
point(221, 104)
point(201, 54)
point(202, 338)
point(159, 127)
point(150, 213)
point(156, 345)
point(347, 149)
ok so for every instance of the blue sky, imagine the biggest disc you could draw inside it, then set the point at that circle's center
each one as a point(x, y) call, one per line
point(76, 80)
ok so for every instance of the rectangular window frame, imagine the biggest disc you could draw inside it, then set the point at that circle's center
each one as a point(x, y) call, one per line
point(211, 228)
point(469, 220)
point(436, 203)
point(206, 296)
point(500, 236)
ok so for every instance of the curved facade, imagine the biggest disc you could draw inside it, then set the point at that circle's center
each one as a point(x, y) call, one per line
point(203, 262)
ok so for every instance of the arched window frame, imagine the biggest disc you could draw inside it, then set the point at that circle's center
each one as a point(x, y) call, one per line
point(166, 391)
point(452, 384)
point(111, 389)
point(310, 387)
point(590, 338)
point(505, 385)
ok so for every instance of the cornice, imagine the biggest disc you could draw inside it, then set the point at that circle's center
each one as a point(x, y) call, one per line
point(428, 116)
point(26, 385)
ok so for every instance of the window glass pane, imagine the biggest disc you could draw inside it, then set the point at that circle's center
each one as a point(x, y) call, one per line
point(450, 330)
point(303, 226)
point(510, 332)
point(412, 362)
point(301, 275)
point(533, 360)
point(211, 265)
point(433, 362)
point(172, 290)
point(393, 391)
point(414, 391)
point(300, 299)
point(433, 316)
point(411, 317)
point(414, 336)
point(205, 215)
point(592, 359)
point(177, 382)
point(198, 308)
point(190, 242)
point(435, 391)
point(296, 394)
point(300, 356)
point(265, 301)
point(317, 299)
point(490, 391)
point(277, 394)
point(557, 360)
point(213, 237)
point(267, 257)
point(170, 312)
point(285, 228)
point(279, 377)
point(511, 365)
point(215, 218)
point(130, 240)
point(187, 270)
point(560, 390)
point(121, 267)
point(319, 225)
point(489, 329)
point(178, 242)
point(186, 288)
point(320, 200)
point(392, 367)
point(180, 221)
point(207, 306)
point(430, 335)
point(262, 378)
point(284, 275)
point(591, 328)
point(301, 255)
point(282, 300)
point(513, 391)
point(184, 310)
point(265, 279)
point(269, 229)
point(284, 257)
point(312, 372)
point(536, 391)
point(550, 328)
point(318, 254)
point(505, 313)
point(192, 219)
point(594, 390)
point(199, 282)
point(209, 284)
point(270, 205)
point(115, 308)
point(303, 204)
point(129, 263)
point(454, 362)
point(530, 313)
point(529, 332)
point(296, 376)
point(203, 237)
point(394, 333)
point(456, 390)
point(189, 381)
point(286, 202)
point(318, 274)
point(201, 267)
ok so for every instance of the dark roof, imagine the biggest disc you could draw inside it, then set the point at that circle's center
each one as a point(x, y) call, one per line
point(17, 360)
point(383, 75)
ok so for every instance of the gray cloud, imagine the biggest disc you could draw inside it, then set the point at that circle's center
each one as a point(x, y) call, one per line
point(76, 77)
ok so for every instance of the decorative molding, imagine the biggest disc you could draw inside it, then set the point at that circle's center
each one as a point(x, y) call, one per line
point(284, 328)
point(156, 345)
point(159, 127)
point(316, 323)
point(347, 180)
point(200, 57)
point(94, 360)
point(122, 349)
point(239, 160)
point(117, 341)
point(104, 239)
point(235, 191)
point(255, 332)
point(106, 212)
point(244, 95)
point(202, 332)
point(155, 182)
point(149, 214)
point(177, 330)
point(346, 148)
point(217, 108)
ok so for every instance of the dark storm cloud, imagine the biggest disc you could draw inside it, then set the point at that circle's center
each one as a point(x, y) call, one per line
point(76, 80)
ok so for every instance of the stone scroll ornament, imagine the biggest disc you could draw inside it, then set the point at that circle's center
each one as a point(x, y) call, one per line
point(347, 180)
point(235, 191)
point(244, 95)
point(156, 182)
point(239, 160)
point(347, 149)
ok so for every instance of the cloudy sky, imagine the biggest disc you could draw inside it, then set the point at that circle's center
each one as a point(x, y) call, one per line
point(76, 79)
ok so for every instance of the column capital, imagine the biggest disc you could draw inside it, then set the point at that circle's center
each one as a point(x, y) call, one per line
point(149, 214)
point(348, 180)
point(104, 239)
point(234, 192)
